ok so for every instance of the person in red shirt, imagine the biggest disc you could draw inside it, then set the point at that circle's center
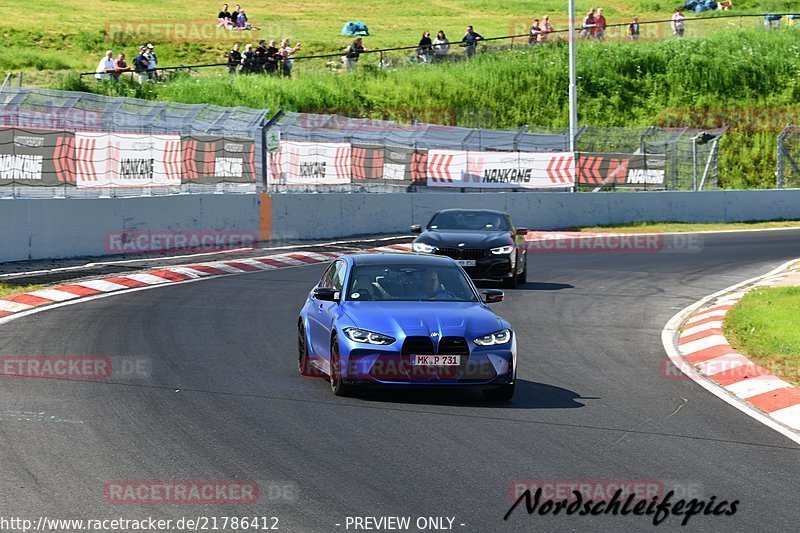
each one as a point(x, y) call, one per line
point(600, 28)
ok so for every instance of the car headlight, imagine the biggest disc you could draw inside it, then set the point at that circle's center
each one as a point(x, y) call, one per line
point(423, 248)
point(503, 250)
point(368, 337)
point(492, 339)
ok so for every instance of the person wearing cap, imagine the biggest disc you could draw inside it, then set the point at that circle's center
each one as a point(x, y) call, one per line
point(140, 64)
point(105, 67)
point(150, 54)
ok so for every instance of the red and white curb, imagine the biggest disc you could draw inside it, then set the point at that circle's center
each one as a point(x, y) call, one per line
point(696, 345)
point(24, 302)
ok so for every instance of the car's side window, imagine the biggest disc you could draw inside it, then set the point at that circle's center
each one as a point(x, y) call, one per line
point(326, 282)
point(338, 277)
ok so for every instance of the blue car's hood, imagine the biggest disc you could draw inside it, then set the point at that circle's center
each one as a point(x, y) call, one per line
point(461, 319)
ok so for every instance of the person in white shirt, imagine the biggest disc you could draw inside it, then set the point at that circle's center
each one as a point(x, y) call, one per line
point(150, 55)
point(105, 67)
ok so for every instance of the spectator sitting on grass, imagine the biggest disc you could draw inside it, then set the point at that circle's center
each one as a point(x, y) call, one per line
point(234, 59)
point(224, 18)
point(441, 46)
point(470, 40)
point(106, 67)
point(545, 28)
point(235, 17)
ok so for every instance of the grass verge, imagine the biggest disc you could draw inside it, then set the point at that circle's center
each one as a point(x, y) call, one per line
point(763, 326)
point(10, 289)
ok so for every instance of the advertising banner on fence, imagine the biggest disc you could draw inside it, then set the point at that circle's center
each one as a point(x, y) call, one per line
point(399, 163)
point(644, 171)
point(210, 160)
point(310, 163)
point(30, 157)
point(127, 160)
point(500, 170)
point(367, 162)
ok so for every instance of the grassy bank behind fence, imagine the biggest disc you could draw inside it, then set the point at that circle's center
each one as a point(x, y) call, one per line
point(749, 79)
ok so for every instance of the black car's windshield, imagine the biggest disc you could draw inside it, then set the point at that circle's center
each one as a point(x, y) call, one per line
point(409, 283)
point(470, 221)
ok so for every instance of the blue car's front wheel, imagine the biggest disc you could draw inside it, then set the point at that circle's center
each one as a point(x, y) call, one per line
point(303, 363)
point(338, 386)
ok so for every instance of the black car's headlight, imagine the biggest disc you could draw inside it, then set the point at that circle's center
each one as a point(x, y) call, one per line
point(503, 250)
point(492, 339)
point(423, 248)
point(368, 337)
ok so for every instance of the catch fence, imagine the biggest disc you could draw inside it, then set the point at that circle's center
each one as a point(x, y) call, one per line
point(788, 174)
point(69, 144)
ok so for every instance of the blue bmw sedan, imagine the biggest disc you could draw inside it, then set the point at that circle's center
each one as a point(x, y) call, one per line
point(401, 320)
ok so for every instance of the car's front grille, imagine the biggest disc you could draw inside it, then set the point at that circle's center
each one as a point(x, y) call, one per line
point(453, 346)
point(462, 253)
point(417, 346)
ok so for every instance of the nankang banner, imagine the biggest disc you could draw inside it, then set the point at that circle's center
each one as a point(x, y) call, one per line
point(30, 157)
point(310, 163)
point(500, 170)
point(641, 171)
point(210, 160)
point(127, 160)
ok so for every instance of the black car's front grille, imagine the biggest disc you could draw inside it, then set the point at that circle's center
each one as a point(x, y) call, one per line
point(462, 253)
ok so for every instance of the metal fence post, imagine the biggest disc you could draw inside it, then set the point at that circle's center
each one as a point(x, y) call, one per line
point(694, 163)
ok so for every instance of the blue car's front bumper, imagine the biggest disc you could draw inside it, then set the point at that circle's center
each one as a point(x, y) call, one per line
point(391, 365)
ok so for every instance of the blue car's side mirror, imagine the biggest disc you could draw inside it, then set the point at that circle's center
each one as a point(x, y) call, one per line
point(326, 294)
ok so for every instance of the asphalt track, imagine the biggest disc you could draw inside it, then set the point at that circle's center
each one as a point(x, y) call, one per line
point(223, 400)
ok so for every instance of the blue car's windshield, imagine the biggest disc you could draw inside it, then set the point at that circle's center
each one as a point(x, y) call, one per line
point(408, 283)
point(470, 221)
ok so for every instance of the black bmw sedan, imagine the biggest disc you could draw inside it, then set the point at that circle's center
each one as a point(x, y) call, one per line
point(485, 243)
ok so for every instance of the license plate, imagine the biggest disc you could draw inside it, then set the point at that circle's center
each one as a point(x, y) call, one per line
point(466, 262)
point(436, 360)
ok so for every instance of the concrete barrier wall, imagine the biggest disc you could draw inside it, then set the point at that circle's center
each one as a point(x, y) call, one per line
point(319, 216)
point(57, 228)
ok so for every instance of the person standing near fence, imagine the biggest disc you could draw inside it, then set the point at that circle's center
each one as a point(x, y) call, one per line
point(286, 52)
point(140, 64)
point(152, 62)
point(534, 33)
point(589, 25)
point(106, 67)
point(470, 40)
point(633, 29)
point(424, 48)
point(546, 28)
point(677, 22)
point(441, 46)
point(249, 60)
point(273, 58)
point(234, 59)
point(351, 55)
point(600, 21)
